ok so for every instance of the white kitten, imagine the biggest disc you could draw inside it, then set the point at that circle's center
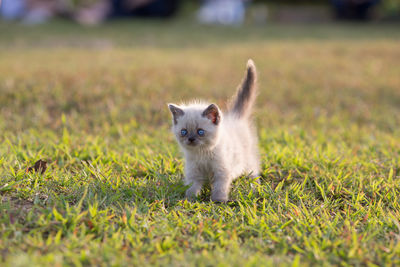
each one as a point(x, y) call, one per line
point(218, 147)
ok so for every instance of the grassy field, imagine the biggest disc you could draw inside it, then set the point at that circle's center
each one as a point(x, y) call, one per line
point(92, 103)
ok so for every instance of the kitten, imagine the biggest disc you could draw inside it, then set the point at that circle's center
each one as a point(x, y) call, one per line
point(218, 147)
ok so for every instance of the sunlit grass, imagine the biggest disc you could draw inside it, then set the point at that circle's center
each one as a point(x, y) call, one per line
point(92, 102)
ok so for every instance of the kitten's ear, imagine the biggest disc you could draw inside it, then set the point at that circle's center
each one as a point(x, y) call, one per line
point(212, 113)
point(176, 112)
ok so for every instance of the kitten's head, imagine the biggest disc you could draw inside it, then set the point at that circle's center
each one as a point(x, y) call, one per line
point(196, 125)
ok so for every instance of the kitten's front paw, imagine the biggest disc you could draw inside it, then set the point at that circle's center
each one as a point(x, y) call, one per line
point(192, 192)
point(219, 197)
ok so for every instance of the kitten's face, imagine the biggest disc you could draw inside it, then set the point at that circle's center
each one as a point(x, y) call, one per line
point(194, 126)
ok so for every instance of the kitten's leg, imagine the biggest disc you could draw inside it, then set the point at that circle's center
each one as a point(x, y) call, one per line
point(195, 180)
point(221, 186)
point(194, 190)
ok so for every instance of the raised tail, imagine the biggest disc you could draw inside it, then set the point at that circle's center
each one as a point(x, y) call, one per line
point(242, 102)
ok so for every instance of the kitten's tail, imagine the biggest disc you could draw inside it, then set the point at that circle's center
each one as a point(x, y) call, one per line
point(242, 102)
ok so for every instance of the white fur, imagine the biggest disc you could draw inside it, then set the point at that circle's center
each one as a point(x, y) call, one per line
point(227, 150)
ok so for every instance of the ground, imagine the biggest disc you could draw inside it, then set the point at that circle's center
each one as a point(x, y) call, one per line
point(92, 103)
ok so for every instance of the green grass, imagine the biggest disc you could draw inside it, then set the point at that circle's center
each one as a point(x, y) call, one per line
point(92, 102)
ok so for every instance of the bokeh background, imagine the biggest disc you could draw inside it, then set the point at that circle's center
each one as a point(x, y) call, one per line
point(208, 11)
point(104, 55)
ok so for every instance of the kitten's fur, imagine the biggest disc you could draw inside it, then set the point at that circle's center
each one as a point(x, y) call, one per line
point(228, 148)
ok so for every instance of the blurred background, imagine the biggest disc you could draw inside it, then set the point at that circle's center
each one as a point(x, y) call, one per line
point(228, 12)
point(108, 62)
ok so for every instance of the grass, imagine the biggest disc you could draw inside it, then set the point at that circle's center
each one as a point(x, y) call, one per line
point(92, 102)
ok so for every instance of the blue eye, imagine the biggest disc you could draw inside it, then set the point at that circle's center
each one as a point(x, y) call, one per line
point(184, 132)
point(200, 132)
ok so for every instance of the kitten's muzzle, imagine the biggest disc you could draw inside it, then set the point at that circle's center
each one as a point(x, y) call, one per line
point(191, 140)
